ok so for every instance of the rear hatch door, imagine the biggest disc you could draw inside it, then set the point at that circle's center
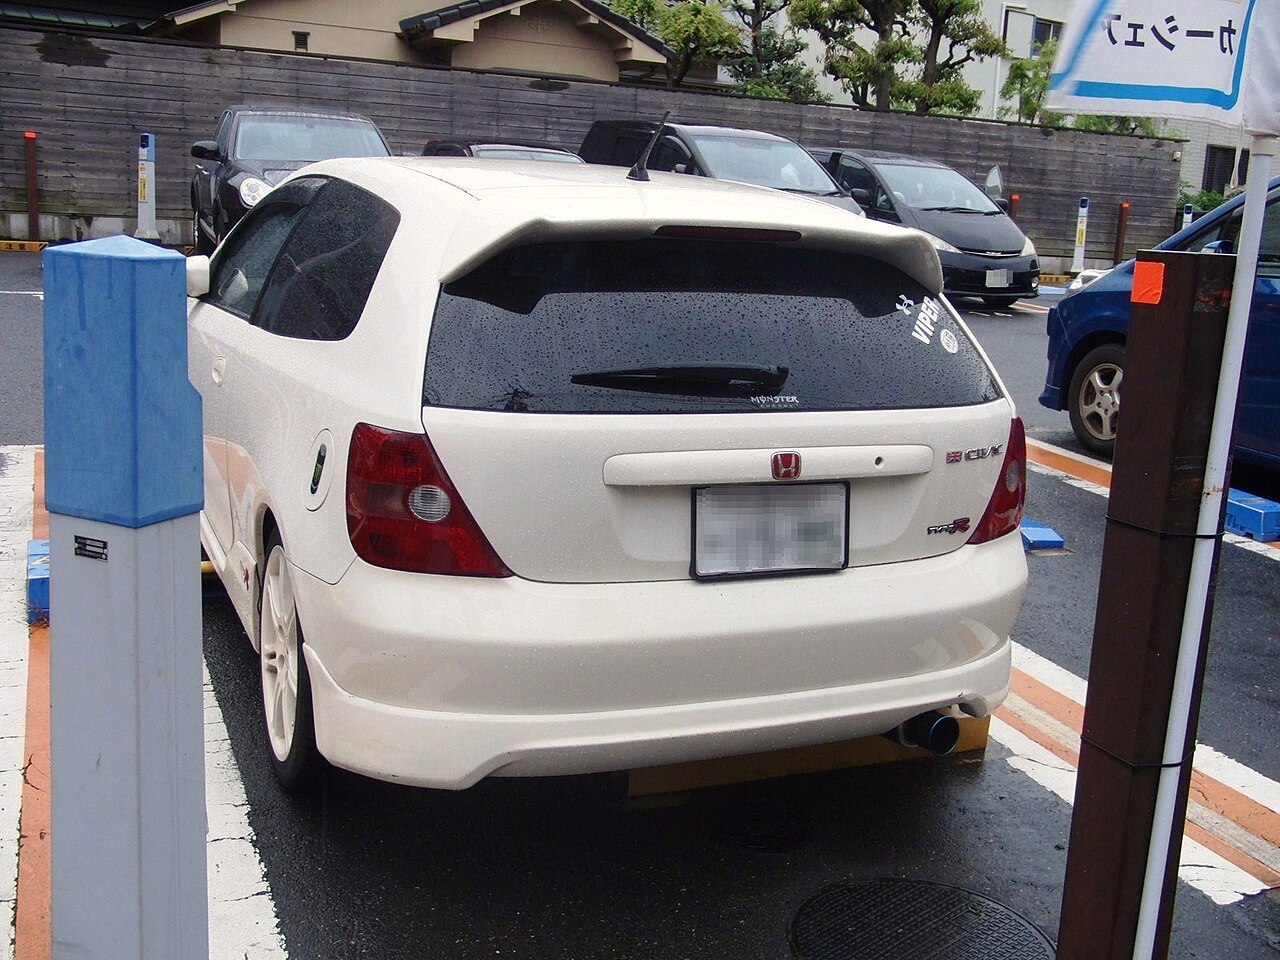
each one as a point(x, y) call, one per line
point(628, 410)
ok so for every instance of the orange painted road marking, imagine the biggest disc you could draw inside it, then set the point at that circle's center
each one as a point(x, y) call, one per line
point(1093, 472)
point(1211, 794)
point(33, 923)
point(1081, 470)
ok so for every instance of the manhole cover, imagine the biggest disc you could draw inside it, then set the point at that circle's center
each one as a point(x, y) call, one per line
point(757, 824)
point(911, 920)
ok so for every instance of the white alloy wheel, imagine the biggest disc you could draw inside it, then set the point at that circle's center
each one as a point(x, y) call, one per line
point(286, 687)
point(280, 654)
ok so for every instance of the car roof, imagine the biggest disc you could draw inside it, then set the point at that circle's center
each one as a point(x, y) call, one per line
point(695, 129)
point(504, 203)
point(495, 142)
point(295, 111)
point(904, 159)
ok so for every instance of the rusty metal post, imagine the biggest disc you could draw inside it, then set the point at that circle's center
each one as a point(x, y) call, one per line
point(1014, 201)
point(1122, 224)
point(33, 199)
point(1174, 351)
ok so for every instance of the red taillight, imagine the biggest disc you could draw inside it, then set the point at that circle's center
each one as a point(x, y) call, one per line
point(1004, 510)
point(404, 512)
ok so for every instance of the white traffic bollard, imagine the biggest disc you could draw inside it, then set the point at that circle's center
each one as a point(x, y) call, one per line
point(147, 188)
point(1188, 214)
point(1082, 226)
point(123, 487)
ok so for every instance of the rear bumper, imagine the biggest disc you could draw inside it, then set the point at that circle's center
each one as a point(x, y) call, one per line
point(439, 681)
point(453, 751)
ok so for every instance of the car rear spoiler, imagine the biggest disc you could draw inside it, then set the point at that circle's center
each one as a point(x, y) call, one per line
point(501, 223)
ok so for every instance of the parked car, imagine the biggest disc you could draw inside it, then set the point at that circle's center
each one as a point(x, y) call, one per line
point(1088, 329)
point(499, 150)
point(983, 252)
point(255, 148)
point(724, 153)
point(524, 469)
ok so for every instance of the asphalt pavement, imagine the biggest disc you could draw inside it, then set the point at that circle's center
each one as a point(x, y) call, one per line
point(568, 867)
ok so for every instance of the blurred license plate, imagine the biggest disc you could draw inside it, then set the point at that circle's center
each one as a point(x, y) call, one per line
point(756, 529)
point(999, 278)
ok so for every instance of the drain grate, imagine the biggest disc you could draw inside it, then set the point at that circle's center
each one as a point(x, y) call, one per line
point(757, 825)
point(911, 920)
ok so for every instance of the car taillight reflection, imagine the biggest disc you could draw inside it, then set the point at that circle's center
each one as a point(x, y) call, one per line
point(1004, 509)
point(404, 513)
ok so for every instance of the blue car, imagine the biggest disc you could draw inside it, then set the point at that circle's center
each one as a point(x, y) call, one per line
point(1088, 328)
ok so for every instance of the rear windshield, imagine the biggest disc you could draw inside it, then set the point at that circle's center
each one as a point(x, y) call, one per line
point(684, 326)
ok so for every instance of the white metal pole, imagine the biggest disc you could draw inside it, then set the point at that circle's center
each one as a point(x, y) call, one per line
point(147, 188)
point(1188, 214)
point(1082, 227)
point(123, 487)
point(1207, 528)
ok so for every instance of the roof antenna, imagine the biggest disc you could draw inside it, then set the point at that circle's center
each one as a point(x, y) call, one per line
point(639, 172)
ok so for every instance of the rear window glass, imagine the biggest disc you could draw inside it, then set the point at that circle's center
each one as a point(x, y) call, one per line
point(684, 326)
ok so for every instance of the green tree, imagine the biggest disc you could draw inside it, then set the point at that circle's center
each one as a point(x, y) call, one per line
point(772, 68)
point(696, 31)
point(947, 34)
point(1143, 126)
point(864, 40)
point(1024, 89)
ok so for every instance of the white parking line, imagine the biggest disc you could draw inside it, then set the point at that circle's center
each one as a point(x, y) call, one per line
point(1221, 881)
point(242, 912)
point(1257, 787)
point(17, 471)
point(38, 294)
point(1244, 543)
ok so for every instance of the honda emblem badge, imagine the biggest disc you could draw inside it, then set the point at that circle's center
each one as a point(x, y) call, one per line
point(786, 466)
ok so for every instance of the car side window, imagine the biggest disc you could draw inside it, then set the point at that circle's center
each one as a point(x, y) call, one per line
point(239, 271)
point(1229, 231)
point(323, 276)
point(668, 154)
point(856, 176)
point(1269, 250)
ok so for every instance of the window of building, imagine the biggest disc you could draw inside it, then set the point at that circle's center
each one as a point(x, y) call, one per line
point(300, 39)
point(1042, 32)
point(1218, 162)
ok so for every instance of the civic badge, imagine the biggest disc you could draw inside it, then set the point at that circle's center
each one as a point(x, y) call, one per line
point(786, 466)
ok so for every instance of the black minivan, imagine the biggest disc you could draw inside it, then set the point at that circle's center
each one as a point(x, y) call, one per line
point(983, 252)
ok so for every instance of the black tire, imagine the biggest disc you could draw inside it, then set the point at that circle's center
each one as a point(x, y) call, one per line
point(297, 762)
point(203, 245)
point(999, 302)
point(1093, 399)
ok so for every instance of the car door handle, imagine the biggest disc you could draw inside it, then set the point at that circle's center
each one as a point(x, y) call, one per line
point(219, 368)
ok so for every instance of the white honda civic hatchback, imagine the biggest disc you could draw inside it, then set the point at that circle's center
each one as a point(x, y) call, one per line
point(513, 469)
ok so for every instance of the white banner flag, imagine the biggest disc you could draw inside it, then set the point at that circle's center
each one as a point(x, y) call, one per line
point(1157, 58)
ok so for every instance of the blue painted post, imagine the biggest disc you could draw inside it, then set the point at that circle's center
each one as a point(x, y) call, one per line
point(1082, 229)
point(147, 188)
point(124, 488)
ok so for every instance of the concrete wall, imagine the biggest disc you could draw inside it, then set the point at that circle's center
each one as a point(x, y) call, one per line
point(88, 98)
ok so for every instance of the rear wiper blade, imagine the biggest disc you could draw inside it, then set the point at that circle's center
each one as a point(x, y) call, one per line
point(756, 375)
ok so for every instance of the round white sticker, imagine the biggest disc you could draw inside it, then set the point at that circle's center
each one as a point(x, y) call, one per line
point(949, 342)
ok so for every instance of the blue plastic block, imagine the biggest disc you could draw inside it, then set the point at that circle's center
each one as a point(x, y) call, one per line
point(1254, 517)
point(121, 421)
point(37, 581)
point(1036, 536)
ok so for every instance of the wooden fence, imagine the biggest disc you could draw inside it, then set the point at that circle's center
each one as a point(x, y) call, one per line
point(88, 98)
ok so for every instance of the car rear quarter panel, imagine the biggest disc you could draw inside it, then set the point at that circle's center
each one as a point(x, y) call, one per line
point(304, 387)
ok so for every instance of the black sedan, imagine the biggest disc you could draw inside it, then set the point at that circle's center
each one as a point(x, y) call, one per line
point(257, 147)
